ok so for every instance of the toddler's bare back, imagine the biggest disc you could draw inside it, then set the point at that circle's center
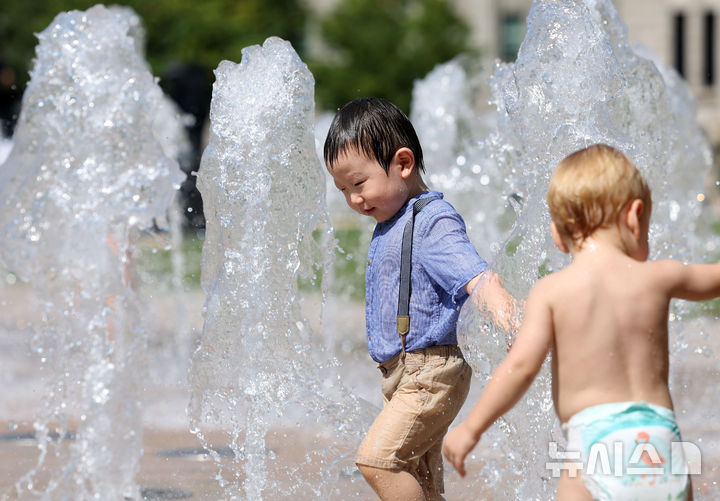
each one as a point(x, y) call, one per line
point(609, 315)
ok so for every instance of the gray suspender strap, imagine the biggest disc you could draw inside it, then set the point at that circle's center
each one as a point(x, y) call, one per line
point(403, 316)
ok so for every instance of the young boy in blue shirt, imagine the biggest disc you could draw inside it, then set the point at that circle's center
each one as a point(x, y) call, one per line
point(421, 268)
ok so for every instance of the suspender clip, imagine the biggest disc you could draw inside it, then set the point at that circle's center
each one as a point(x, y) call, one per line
point(403, 324)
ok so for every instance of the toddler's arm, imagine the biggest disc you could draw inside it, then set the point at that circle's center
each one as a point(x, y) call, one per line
point(509, 382)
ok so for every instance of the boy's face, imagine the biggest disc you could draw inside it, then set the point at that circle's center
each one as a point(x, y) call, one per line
point(368, 189)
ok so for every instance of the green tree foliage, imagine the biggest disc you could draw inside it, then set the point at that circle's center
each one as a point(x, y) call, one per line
point(380, 48)
point(178, 31)
point(375, 48)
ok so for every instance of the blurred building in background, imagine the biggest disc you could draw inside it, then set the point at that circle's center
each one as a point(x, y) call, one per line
point(683, 33)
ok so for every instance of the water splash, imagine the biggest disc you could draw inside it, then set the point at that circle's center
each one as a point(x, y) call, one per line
point(84, 175)
point(267, 226)
point(452, 130)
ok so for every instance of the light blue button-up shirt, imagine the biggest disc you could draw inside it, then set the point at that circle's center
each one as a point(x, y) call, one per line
point(443, 261)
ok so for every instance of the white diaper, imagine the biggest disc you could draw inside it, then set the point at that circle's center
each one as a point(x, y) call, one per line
point(627, 452)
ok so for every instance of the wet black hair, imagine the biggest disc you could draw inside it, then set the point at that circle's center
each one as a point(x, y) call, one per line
point(374, 127)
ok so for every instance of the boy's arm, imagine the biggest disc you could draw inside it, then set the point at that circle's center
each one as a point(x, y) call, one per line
point(491, 293)
point(509, 382)
point(447, 254)
point(694, 282)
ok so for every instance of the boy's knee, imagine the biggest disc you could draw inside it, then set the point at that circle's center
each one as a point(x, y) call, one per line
point(368, 472)
point(376, 477)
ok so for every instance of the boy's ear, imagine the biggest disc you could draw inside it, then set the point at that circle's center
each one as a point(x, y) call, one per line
point(633, 216)
point(557, 238)
point(405, 158)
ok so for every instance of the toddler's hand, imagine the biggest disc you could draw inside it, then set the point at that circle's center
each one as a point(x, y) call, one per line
point(457, 445)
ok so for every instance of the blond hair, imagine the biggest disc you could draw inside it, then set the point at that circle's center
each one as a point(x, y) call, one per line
point(590, 188)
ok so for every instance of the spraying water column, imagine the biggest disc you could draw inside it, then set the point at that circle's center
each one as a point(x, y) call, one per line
point(85, 174)
point(257, 366)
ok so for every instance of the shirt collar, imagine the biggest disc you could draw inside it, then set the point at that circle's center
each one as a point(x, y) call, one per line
point(408, 206)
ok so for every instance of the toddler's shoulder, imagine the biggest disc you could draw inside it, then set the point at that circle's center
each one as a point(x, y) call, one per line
point(665, 272)
point(551, 287)
point(661, 269)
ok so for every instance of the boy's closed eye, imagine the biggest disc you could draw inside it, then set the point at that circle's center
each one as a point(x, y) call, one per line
point(359, 183)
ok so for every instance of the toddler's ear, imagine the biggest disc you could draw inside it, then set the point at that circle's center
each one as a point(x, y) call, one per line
point(557, 238)
point(633, 216)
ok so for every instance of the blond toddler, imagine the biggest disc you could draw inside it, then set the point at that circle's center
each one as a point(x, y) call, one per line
point(605, 319)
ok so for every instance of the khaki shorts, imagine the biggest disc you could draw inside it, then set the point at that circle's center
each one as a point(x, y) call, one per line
point(422, 396)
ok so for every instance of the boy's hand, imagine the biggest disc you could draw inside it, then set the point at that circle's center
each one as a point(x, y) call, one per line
point(515, 323)
point(491, 295)
point(457, 445)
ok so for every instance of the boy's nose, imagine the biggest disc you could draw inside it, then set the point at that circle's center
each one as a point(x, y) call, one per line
point(356, 198)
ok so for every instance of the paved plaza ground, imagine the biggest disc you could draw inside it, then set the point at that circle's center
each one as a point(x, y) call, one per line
point(174, 465)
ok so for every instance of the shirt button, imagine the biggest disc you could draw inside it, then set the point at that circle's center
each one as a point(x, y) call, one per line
point(369, 261)
point(367, 302)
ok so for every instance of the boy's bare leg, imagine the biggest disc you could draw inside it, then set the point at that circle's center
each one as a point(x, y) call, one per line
point(393, 485)
point(572, 489)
